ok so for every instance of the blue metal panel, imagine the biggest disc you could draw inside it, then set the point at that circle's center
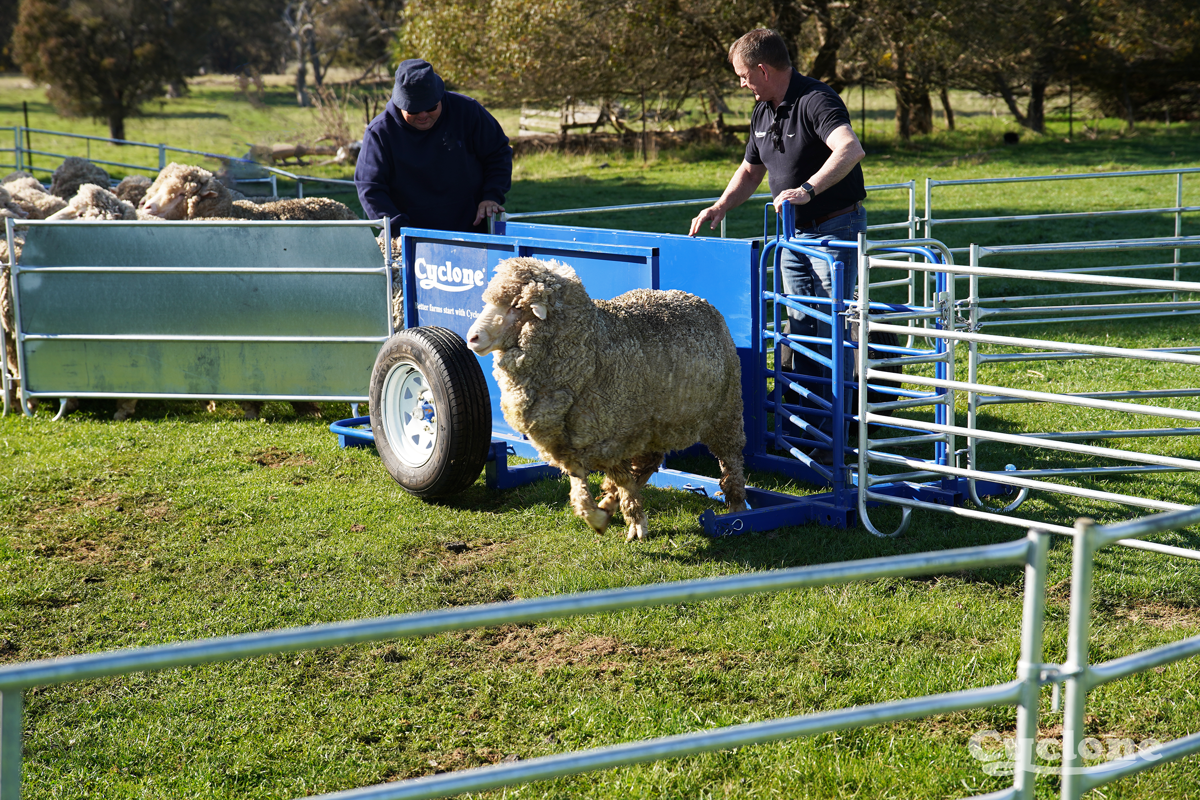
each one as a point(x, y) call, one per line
point(719, 270)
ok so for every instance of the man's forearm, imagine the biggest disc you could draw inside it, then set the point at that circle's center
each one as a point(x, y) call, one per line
point(844, 155)
point(743, 183)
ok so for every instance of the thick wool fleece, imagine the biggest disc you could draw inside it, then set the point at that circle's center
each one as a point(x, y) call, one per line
point(597, 384)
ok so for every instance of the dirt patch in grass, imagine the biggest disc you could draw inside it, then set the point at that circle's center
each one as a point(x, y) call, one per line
point(103, 549)
point(1161, 615)
point(548, 649)
point(275, 457)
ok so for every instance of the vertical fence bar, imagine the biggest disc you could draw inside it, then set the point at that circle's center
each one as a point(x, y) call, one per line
point(912, 210)
point(300, 189)
point(1079, 628)
point(10, 744)
point(18, 151)
point(1030, 667)
point(1178, 221)
point(274, 186)
point(837, 374)
point(162, 157)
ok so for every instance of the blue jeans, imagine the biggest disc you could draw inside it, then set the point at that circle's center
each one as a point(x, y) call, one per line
point(812, 277)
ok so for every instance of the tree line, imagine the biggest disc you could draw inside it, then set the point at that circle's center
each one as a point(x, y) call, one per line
point(1135, 59)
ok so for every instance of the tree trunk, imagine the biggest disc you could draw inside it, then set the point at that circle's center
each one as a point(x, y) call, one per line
point(1037, 106)
point(116, 126)
point(900, 87)
point(825, 64)
point(1009, 100)
point(1128, 100)
point(922, 109)
point(302, 98)
point(945, 95)
point(310, 42)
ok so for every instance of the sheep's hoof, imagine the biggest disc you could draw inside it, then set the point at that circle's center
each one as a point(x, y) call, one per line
point(598, 519)
point(637, 530)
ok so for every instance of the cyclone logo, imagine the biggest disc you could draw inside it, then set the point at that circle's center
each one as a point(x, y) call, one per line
point(447, 277)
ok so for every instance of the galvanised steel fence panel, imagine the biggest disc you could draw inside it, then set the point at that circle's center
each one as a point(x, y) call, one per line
point(1022, 692)
point(251, 310)
point(1081, 676)
point(1136, 216)
point(954, 327)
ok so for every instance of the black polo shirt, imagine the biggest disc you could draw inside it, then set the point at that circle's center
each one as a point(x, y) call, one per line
point(809, 113)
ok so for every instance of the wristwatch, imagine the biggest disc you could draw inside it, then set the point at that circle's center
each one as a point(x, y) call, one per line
point(806, 186)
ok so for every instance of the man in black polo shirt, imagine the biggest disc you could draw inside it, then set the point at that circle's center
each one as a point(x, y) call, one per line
point(800, 134)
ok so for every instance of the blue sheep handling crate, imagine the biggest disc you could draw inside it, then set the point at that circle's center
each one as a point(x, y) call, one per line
point(729, 273)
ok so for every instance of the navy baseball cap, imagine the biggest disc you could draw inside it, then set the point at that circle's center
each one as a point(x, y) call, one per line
point(418, 88)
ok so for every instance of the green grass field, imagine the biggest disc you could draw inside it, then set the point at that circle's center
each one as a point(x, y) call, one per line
point(181, 524)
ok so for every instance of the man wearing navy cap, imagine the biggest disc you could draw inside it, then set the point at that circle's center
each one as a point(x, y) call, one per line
point(433, 159)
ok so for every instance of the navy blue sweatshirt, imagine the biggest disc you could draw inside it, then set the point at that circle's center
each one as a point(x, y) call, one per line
point(435, 178)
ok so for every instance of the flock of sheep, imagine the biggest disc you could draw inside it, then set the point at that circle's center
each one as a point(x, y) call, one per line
point(80, 190)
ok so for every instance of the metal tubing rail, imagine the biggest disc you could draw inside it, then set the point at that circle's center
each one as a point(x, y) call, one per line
point(961, 332)
point(688, 744)
point(161, 150)
point(1081, 677)
point(1030, 551)
point(909, 185)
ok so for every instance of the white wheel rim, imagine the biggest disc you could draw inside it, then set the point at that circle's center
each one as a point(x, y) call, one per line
point(409, 415)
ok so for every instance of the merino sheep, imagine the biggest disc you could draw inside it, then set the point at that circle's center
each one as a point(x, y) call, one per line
point(182, 191)
point(612, 386)
point(189, 192)
point(28, 193)
point(8, 208)
point(132, 189)
point(73, 173)
point(95, 202)
point(298, 208)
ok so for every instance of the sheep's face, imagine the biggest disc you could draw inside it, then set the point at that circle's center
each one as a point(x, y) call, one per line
point(166, 200)
point(496, 324)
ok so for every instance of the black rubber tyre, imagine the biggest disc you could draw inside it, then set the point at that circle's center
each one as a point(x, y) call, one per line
point(430, 411)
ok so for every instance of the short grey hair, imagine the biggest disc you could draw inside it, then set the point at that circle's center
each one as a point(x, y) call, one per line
point(761, 46)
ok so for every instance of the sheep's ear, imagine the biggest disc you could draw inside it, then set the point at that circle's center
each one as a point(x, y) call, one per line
point(538, 309)
point(210, 193)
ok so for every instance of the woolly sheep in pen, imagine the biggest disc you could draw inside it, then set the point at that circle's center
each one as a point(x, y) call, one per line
point(297, 208)
point(132, 189)
point(28, 192)
point(612, 386)
point(183, 191)
point(95, 202)
point(9, 208)
point(73, 173)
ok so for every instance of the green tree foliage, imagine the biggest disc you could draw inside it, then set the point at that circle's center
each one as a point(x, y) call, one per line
point(545, 51)
point(8, 20)
point(1144, 58)
point(103, 58)
point(242, 36)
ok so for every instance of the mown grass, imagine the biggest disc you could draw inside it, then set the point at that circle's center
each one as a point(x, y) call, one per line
point(182, 524)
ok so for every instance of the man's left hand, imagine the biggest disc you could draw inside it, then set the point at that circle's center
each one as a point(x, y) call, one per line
point(797, 197)
point(488, 208)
